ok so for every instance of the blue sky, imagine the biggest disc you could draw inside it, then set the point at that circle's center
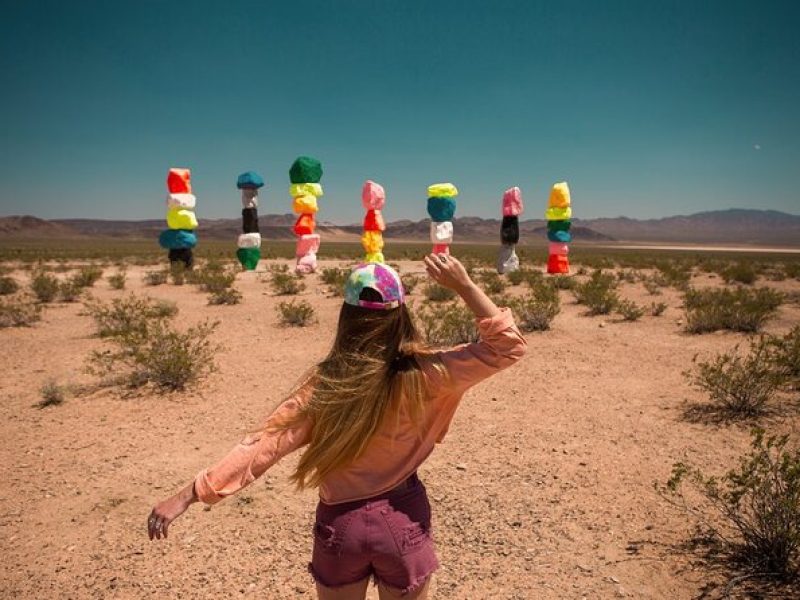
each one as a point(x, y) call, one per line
point(646, 108)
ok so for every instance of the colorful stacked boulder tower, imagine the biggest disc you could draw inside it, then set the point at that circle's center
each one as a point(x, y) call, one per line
point(509, 231)
point(249, 252)
point(373, 198)
point(305, 188)
point(180, 237)
point(441, 208)
point(559, 215)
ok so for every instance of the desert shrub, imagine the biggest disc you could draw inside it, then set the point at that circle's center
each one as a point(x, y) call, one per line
point(535, 312)
point(286, 284)
point(278, 268)
point(676, 274)
point(447, 325)
point(70, 290)
point(44, 286)
point(657, 308)
point(177, 272)
point(785, 352)
point(51, 394)
point(741, 309)
point(597, 263)
point(8, 286)
point(756, 508)
point(740, 272)
point(629, 310)
point(333, 276)
point(738, 386)
point(492, 283)
point(226, 296)
point(162, 356)
point(597, 293)
point(409, 282)
point(214, 277)
point(86, 276)
point(18, 313)
point(117, 280)
point(156, 277)
point(517, 277)
point(296, 313)
point(628, 276)
point(563, 282)
point(127, 317)
point(776, 274)
point(438, 293)
point(335, 279)
point(652, 287)
point(792, 270)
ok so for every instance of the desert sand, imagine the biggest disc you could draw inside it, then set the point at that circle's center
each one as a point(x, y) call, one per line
point(542, 489)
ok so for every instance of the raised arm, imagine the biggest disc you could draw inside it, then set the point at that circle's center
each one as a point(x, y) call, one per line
point(500, 342)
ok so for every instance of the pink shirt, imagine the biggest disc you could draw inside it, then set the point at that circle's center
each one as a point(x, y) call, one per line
point(398, 447)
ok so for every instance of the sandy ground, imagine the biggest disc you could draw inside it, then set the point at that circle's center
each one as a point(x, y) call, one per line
point(542, 489)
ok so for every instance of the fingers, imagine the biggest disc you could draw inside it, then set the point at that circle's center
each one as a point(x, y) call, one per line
point(433, 266)
point(156, 526)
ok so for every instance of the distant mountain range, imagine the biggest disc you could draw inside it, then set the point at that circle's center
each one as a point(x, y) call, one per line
point(735, 226)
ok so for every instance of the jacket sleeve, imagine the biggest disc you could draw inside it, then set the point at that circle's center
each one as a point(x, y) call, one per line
point(252, 456)
point(500, 345)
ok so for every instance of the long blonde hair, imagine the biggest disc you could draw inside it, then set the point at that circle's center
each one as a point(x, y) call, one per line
point(370, 374)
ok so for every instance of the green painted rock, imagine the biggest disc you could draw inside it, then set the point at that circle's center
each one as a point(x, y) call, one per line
point(559, 225)
point(249, 257)
point(305, 170)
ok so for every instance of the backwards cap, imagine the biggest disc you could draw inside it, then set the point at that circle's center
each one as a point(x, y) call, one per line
point(376, 276)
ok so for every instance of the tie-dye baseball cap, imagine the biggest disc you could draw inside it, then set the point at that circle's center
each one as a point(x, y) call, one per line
point(376, 276)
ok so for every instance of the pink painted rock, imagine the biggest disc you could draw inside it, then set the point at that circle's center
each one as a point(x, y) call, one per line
point(306, 263)
point(512, 202)
point(558, 248)
point(307, 243)
point(372, 195)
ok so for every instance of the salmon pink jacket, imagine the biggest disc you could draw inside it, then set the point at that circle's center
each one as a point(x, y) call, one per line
point(398, 447)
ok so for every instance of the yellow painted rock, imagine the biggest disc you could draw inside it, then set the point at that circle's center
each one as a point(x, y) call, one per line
point(559, 196)
point(374, 257)
point(179, 218)
point(558, 214)
point(438, 190)
point(305, 189)
point(372, 241)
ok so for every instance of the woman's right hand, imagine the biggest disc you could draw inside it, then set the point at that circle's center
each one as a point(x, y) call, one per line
point(166, 511)
point(447, 271)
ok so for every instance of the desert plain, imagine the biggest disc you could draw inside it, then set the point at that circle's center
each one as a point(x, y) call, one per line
point(543, 488)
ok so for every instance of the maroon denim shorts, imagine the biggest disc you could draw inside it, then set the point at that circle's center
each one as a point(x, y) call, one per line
point(387, 537)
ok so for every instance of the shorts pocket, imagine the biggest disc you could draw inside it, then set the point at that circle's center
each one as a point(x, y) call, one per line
point(408, 535)
point(330, 536)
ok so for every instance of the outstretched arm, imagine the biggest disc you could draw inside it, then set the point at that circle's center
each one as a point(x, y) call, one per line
point(247, 461)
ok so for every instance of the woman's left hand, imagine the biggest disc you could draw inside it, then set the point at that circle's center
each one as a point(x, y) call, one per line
point(167, 511)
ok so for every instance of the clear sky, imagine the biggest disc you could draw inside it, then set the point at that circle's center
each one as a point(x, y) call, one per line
point(647, 108)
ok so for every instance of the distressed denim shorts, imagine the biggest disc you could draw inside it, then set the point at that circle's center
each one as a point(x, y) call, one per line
point(387, 537)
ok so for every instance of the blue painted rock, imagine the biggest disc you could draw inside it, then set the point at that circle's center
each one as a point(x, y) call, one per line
point(176, 239)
